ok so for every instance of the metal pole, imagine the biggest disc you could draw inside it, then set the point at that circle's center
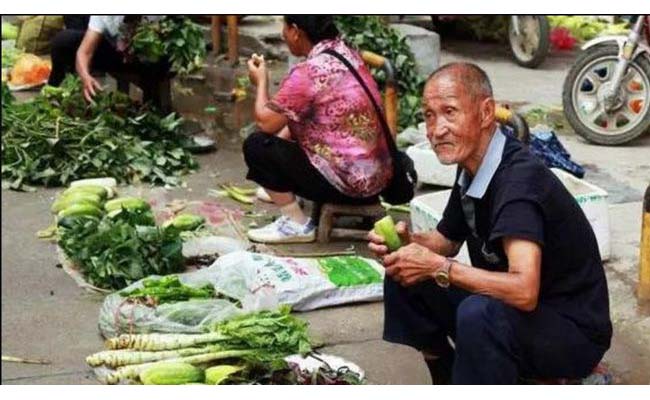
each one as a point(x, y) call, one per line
point(643, 291)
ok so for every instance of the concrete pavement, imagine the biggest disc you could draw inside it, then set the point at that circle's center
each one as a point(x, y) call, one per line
point(45, 315)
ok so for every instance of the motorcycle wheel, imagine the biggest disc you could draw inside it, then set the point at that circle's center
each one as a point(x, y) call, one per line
point(531, 46)
point(583, 94)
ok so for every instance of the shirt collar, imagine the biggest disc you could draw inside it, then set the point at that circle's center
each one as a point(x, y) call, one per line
point(322, 46)
point(477, 187)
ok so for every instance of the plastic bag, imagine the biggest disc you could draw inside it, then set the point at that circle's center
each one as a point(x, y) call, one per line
point(30, 70)
point(118, 316)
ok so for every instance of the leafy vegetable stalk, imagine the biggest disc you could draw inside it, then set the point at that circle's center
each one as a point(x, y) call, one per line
point(116, 251)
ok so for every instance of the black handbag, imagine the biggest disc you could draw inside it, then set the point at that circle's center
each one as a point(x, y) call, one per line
point(401, 188)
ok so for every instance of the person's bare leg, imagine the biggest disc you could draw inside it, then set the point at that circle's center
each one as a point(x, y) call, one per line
point(288, 205)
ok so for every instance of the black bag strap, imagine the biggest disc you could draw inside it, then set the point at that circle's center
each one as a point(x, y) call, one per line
point(389, 138)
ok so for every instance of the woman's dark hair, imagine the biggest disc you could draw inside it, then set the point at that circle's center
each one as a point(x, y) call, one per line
point(317, 27)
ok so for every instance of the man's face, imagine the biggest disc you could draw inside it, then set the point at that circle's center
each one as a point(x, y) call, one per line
point(452, 119)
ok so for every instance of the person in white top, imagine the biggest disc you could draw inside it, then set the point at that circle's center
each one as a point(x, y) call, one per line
point(101, 48)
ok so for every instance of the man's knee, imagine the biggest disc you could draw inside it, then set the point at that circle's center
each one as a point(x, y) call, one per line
point(478, 312)
point(485, 350)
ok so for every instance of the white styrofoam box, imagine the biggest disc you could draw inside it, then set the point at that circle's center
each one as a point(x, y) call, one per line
point(426, 212)
point(593, 201)
point(429, 169)
point(427, 209)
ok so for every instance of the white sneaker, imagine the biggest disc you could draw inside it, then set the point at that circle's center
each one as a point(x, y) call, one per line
point(263, 196)
point(284, 230)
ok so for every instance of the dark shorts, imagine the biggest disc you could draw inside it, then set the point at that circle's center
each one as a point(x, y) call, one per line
point(282, 166)
point(494, 342)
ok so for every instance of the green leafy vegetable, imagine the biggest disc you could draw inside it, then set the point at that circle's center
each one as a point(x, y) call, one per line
point(7, 97)
point(178, 39)
point(9, 56)
point(168, 289)
point(276, 332)
point(9, 32)
point(114, 252)
point(586, 28)
point(57, 138)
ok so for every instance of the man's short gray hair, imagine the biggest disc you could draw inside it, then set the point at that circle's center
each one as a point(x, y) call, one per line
point(471, 75)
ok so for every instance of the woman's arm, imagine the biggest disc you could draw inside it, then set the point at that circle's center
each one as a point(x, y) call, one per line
point(82, 63)
point(267, 120)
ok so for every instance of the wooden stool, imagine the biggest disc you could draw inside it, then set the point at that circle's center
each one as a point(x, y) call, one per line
point(329, 211)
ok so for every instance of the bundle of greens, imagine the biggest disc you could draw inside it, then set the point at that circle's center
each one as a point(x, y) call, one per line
point(180, 40)
point(586, 28)
point(249, 348)
point(57, 137)
point(9, 32)
point(373, 34)
point(9, 56)
point(7, 98)
point(116, 250)
point(167, 289)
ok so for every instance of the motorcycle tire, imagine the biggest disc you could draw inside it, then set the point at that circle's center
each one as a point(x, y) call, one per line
point(539, 55)
point(585, 58)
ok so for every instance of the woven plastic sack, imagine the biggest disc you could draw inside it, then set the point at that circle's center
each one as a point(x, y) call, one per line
point(302, 283)
point(35, 32)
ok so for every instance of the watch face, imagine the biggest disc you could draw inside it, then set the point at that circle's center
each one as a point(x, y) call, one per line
point(442, 279)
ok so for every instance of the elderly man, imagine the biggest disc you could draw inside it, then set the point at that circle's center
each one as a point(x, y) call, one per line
point(534, 302)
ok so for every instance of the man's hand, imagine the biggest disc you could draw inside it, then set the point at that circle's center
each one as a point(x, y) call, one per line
point(257, 71)
point(377, 245)
point(412, 264)
point(90, 88)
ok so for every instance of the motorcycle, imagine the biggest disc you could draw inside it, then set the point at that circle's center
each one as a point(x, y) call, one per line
point(529, 38)
point(606, 94)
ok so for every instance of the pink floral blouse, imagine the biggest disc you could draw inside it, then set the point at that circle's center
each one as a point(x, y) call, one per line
point(333, 120)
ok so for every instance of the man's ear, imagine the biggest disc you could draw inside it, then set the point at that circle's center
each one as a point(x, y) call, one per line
point(486, 110)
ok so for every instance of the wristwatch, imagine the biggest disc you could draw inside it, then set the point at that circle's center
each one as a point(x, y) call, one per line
point(442, 275)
